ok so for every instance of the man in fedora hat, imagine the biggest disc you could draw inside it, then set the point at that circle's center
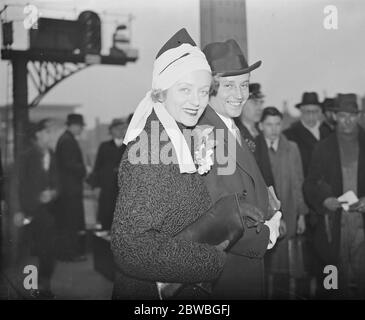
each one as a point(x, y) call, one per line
point(306, 133)
point(105, 172)
point(248, 121)
point(328, 106)
point(70, 161)
point(243, 274)
point(309, 129)
point(338, 166)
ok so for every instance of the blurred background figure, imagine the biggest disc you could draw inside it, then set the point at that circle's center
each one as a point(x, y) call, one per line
point(280, 163)
point(306, 133)
point(328, 106)
point(37, 194)
point(251, 115)
point(338, 166)
point(309, 129)
point(71, 219)
point(105, 172)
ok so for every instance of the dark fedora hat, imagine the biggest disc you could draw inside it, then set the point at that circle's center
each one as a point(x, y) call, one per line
point(346, 103)
point(227, 59)
point(328, 104)
point(116, 122)
point(179, 38)
point(309, 98)
point(75, 118)
point(255, 91)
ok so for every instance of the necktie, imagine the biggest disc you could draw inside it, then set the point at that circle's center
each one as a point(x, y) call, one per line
point(272, 149)
point(237, 133)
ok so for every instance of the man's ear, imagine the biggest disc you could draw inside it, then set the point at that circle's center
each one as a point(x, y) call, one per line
point(260, 126)
point(335, 116)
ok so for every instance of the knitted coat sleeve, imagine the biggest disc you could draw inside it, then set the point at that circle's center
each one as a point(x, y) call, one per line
point(141, 245)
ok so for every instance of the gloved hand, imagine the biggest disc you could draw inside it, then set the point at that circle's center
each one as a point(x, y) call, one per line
point(252, 216)
point(274, 224)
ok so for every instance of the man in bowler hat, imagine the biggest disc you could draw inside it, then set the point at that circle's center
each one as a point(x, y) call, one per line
point(72, 170)
point(105, 172)
point(338, 166)
point(243, 274)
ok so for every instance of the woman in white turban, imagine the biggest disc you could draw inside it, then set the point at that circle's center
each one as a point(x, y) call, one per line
point(161, 190)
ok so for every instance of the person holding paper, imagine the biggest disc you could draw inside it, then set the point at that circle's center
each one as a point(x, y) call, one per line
point(337, 167)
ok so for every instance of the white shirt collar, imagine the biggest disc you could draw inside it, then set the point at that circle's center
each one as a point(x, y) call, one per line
point(273, 144)
point(314, 130)
point(229, 124)
point(118, 142)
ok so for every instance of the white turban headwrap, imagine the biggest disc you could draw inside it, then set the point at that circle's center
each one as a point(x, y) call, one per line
point(168, 68)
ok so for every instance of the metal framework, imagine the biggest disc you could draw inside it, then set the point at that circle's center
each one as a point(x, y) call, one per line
point(45, 69)
point(45, 75)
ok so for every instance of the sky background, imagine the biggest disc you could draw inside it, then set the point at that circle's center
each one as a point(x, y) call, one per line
point(298, 53)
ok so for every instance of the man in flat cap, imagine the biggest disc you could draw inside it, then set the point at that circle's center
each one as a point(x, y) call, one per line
point(72, 169)
point(337, 167)
point(243, 274)
point(105, 172)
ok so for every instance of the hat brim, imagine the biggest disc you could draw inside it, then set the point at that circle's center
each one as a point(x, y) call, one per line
point(257, 96)
point(242, 71)
point(298, 105)
point(337, 110)
point(75, 122)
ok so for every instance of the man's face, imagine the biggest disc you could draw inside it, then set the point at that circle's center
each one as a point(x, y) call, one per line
point(346, 122)
point(271, 127)
point(231, 96)
point(118, 132)
point(48, 137)
point(187, 99)
point(76, 129)
point(330, 116)
point(311, 114)
point(252, 110)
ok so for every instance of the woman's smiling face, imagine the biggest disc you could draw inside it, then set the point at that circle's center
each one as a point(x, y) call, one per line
point(187, 99)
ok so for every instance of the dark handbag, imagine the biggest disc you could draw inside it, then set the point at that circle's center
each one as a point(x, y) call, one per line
point(221, 222)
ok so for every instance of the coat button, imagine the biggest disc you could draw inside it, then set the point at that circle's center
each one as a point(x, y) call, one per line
point(244, 193)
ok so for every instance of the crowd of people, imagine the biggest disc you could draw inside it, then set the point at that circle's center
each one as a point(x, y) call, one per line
point(51, 175)
point(155, 197)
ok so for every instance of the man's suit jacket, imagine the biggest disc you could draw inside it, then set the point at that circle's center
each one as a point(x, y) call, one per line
point(246, 134)
point(33, 179)
point(71, 165)
point(305, 141)
point(243, 274)
point(324, 180)
point(105, 176)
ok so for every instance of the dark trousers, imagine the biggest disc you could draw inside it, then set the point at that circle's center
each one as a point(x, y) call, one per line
point(43, 235)
point(70, 220)
point(106, 208)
